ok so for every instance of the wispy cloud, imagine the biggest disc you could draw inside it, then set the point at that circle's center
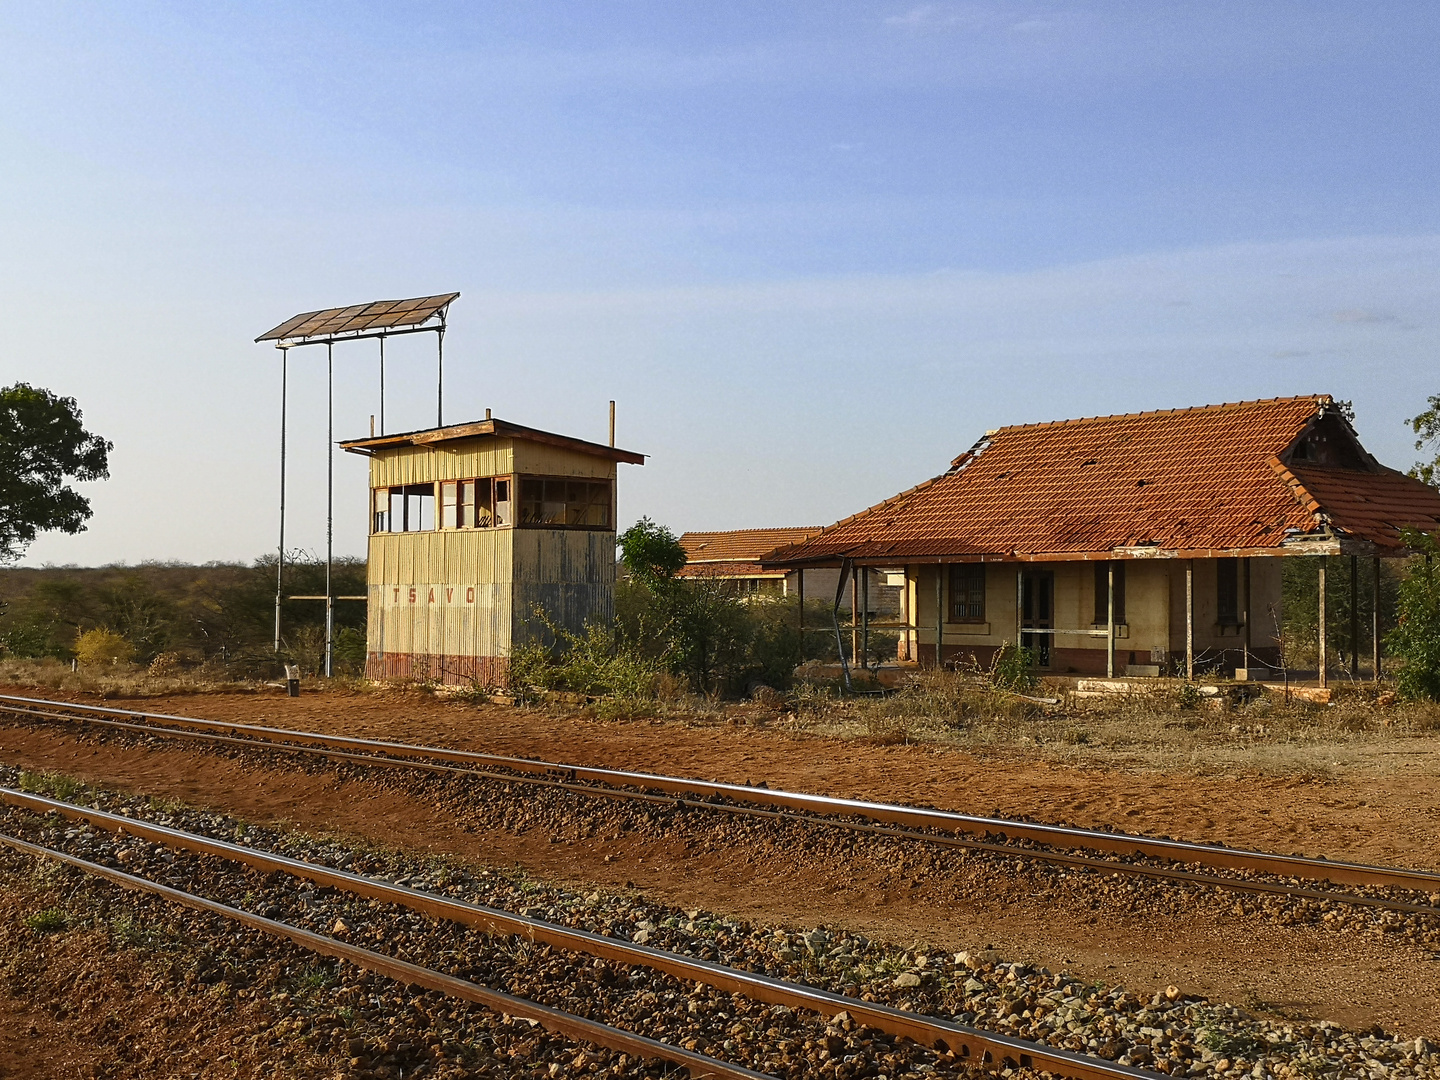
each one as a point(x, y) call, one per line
point(1360, 315)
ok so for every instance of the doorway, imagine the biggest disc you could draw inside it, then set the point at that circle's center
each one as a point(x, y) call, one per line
point(1037, 612)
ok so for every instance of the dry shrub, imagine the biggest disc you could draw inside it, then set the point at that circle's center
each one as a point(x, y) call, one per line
point(101, 647)
point(164, 665)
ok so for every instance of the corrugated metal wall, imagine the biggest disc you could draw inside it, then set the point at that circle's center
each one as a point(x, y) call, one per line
point(454, 461)
point(570, 574)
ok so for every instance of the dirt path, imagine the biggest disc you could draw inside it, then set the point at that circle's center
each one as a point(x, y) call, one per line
point(1392, 818)
point(1354, 980)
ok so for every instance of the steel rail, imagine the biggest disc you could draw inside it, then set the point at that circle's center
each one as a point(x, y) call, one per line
point(973, 1044)
point(1187, 877)
point(405, 973)
point(1181, 851)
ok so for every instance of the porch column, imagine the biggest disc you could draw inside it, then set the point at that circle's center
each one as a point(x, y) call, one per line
point(1354, 617)
point(1323, 639)
point(1375, 620)
point(1249, 641)
point(1189, 620)
point(865, 618)
point(1019, 603)
point(854, 616)
point(1110, 620)
point(939, 614)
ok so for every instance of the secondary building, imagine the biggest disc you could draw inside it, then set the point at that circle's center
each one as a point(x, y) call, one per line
point(480, 535)
point(1146, 543)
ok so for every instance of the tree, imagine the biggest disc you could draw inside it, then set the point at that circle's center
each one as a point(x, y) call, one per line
point(651, 552)
point(42, 444)
point(1427, 426)
point(1416, 637)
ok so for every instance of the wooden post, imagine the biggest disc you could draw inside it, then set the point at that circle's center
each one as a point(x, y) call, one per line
point(854, 616)
point(1019, 604)
point(905, 614)
point(865, 619)
point(939, 614)
point(1354, 617)
point(1323, 639)
point(1110, 620)
point(1189, 620)
point(1249, 641)
point(1375, 621)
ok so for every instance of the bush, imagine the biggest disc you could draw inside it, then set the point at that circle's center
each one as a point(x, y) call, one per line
point(103, 647)
point(49, 921)
point(1416, 637)
point(1010, 668)
point(594, 662)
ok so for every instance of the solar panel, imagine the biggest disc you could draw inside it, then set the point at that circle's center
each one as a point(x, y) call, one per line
point(378, 314)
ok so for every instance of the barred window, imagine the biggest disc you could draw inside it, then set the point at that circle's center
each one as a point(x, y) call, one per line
point(967, 593)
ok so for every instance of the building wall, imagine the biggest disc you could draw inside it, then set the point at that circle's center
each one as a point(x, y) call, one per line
point(461, 460)
point(568, 573)
point(450, 604)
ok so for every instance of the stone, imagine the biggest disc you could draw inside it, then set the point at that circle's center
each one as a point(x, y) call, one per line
point(1172, 993)
point(340, 927)
point(641, 937)
point(907, 979)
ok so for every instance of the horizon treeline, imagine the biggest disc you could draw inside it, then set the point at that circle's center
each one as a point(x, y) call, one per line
point(221, 615)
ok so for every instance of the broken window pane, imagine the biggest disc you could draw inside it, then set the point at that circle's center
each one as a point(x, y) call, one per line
point(502, 502)
point(449, 505)
point(380, 516)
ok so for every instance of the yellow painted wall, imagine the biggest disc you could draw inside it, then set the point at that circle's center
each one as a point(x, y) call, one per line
point(538, 459)
point(460, 460)
point(1154, 605)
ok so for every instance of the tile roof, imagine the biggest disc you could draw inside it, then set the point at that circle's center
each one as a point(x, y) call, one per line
point(742, 545)
point(1200, 479)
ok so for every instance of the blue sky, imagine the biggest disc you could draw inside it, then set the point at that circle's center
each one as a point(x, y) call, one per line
point(813, 250)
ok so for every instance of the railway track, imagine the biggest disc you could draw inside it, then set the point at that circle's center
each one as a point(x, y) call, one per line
point(969, 1047)
point(1092, 849)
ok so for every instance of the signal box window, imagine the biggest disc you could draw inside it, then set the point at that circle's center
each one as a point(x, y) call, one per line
point(554, 503)
point(405, 509)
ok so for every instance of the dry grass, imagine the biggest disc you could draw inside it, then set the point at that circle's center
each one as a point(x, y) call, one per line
point(134, 681)
point(1162, 729)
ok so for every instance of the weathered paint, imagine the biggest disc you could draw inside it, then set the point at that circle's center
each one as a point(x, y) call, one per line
point(460, 460)
point(1154, 614)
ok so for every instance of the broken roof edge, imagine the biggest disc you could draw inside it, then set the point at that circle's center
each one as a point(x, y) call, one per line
point(1319, 401)
point(493, 427)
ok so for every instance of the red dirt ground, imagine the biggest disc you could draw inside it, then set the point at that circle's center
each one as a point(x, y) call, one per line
point(1344, 977)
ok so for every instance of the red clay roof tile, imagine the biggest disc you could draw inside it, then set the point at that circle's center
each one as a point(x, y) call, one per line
point(1180, 480)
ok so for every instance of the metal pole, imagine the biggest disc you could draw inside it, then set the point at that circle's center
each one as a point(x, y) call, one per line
point(1189, 620)
point(854, 617)
point(1323, 642)
point(1110, 621)
point(865, 618)
point(280, 557)
point(800, 589)
point(1354, 616)
point(440, 377)
point(329, 505)
point(382, 384)
point(1375, 620)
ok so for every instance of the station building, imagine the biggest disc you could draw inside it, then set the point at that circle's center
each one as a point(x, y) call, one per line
point(1142, 544)
point(473, 529)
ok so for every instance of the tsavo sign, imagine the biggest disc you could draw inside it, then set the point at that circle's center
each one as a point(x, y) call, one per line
point(404, 595)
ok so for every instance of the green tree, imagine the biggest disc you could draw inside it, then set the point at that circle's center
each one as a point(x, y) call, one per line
point(1427, 426)
point(1416, 637)
point(651, 552)
point(42, 445)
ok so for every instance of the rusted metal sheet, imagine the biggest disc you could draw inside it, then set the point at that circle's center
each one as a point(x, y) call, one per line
point(964, 1042)
point(376, 315)
point(575, 1027)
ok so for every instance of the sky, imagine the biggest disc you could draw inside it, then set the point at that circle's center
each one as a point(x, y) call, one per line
point(813, 250)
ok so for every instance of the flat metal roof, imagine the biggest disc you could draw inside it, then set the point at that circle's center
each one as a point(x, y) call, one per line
point(378, 315)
